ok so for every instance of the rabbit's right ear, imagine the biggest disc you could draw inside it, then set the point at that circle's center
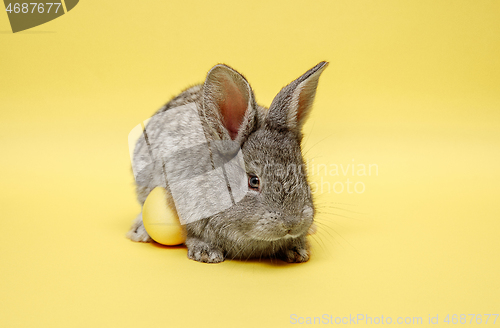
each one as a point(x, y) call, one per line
point(292, 105)
point(228, 104)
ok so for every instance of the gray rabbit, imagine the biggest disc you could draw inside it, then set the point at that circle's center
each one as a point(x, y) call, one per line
point(274, 210)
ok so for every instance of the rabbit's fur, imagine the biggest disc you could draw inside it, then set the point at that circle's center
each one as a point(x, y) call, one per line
point(272, 221)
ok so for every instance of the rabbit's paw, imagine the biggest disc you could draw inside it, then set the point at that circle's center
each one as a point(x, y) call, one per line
point(137, 231)
point(203, 252)
point(296, 255)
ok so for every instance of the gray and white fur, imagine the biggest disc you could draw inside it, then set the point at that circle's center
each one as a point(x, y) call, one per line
point(271, 221)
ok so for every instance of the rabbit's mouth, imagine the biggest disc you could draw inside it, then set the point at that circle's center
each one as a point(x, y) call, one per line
point(264, 231)
point(277, 238)
point(289, 236)
point(274, 225)
point(270, 239)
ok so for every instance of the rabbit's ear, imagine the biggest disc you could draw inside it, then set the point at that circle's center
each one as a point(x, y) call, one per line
point(228, 104)
point(293, 103)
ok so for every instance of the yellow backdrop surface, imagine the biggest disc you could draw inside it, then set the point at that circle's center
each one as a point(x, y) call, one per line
point(413, 89)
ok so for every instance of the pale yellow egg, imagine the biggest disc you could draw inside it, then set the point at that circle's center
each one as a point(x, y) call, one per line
point(160, 221)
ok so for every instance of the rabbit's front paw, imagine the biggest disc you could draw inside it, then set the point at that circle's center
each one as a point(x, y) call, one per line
point(137, 231)
point(203, 252)
point(296, 255)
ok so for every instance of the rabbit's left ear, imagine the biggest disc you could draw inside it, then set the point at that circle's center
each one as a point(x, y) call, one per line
point(290, 108)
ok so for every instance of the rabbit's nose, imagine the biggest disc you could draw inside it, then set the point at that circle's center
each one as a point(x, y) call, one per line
point(275, 215)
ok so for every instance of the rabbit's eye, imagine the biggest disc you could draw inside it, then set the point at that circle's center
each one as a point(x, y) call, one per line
point(253, 182)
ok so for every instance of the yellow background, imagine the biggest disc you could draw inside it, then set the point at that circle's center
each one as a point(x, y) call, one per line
point(412, 86)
